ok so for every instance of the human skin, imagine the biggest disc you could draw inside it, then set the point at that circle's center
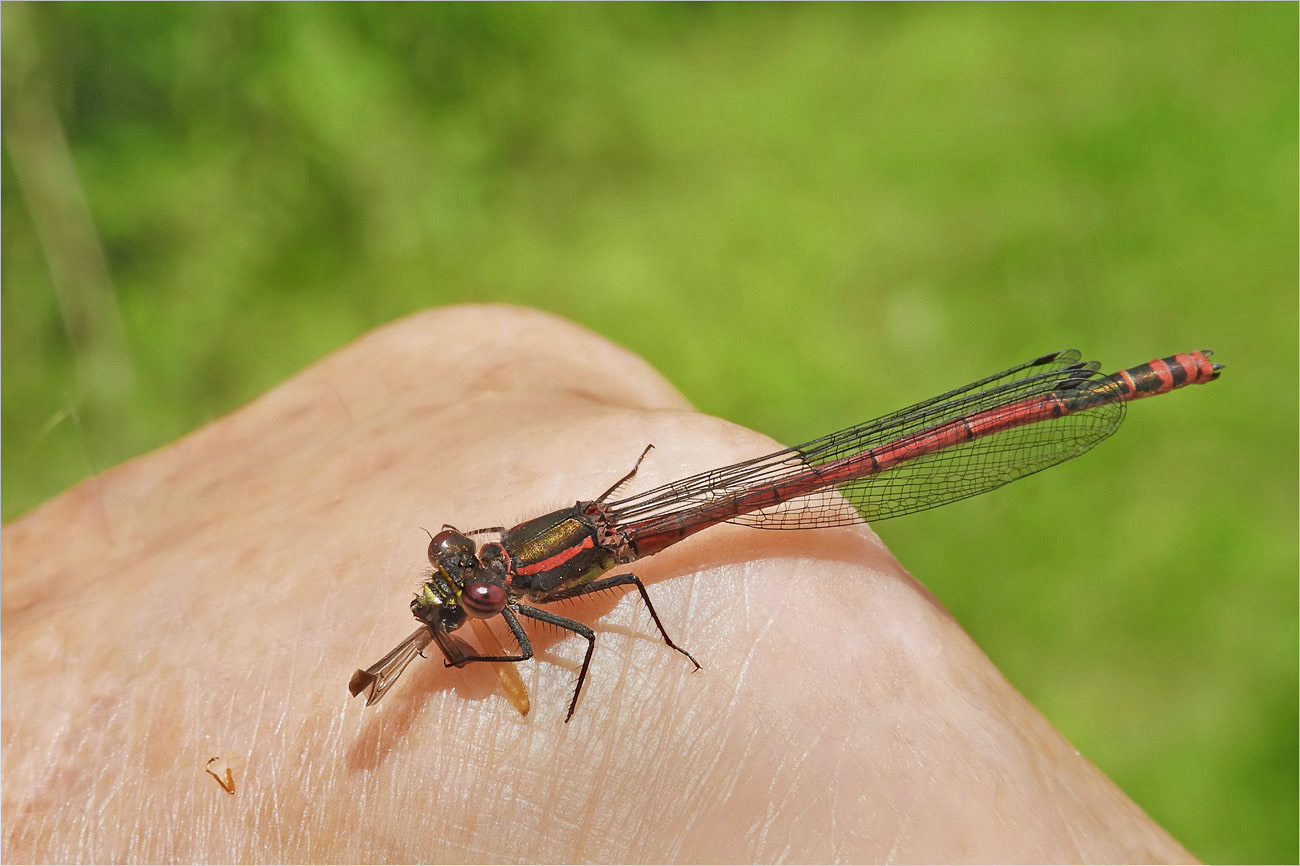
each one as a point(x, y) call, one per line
point(213, 598)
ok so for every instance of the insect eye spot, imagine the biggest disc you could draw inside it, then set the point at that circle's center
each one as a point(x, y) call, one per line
point(483, 600)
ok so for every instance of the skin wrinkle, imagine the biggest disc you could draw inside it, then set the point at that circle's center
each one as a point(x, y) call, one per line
point(789, 799)
point(732, 776)
point(892, 856)
point(761, 830)
point(589, 821)
point(716, 776)
point(752, 749)
point(760, 636)
point(1064, 821)
point(650, 816)
point(833, 808)
point(697, 785)
point(921, 764)
point(791, 769)
point(755, 830)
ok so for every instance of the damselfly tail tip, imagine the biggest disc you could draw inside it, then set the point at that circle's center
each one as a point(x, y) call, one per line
point(1215, 369)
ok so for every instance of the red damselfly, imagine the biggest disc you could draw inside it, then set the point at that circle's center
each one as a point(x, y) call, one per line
point(962, 443)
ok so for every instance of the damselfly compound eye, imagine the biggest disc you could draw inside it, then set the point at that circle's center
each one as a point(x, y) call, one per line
point(483, 600)
point(450, 549)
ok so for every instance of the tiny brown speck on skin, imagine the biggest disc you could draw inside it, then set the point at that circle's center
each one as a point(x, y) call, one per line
point(227, 781)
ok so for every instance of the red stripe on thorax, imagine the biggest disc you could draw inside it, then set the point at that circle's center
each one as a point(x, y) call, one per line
point(560, 558)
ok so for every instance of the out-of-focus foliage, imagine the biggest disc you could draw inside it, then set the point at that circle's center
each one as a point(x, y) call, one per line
point(804, 215)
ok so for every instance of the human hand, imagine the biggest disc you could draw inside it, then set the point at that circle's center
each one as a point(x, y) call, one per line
point(212, 599)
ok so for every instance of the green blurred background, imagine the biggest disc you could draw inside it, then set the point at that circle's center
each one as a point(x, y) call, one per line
point(803, 215)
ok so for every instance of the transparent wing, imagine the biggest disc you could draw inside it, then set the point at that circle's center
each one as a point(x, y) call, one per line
point(379, 677)
point(924, 480)
point(953, 473)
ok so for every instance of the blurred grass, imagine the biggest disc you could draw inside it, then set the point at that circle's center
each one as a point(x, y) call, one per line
point(804, 216)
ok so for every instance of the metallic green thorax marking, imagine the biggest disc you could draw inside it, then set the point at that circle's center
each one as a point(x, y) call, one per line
point(557, 550)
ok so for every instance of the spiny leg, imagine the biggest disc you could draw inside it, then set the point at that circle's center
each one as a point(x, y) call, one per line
point(525, 647)
point(626, 478)
point(609, 583)
point(487, 530)
point(569, 625)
